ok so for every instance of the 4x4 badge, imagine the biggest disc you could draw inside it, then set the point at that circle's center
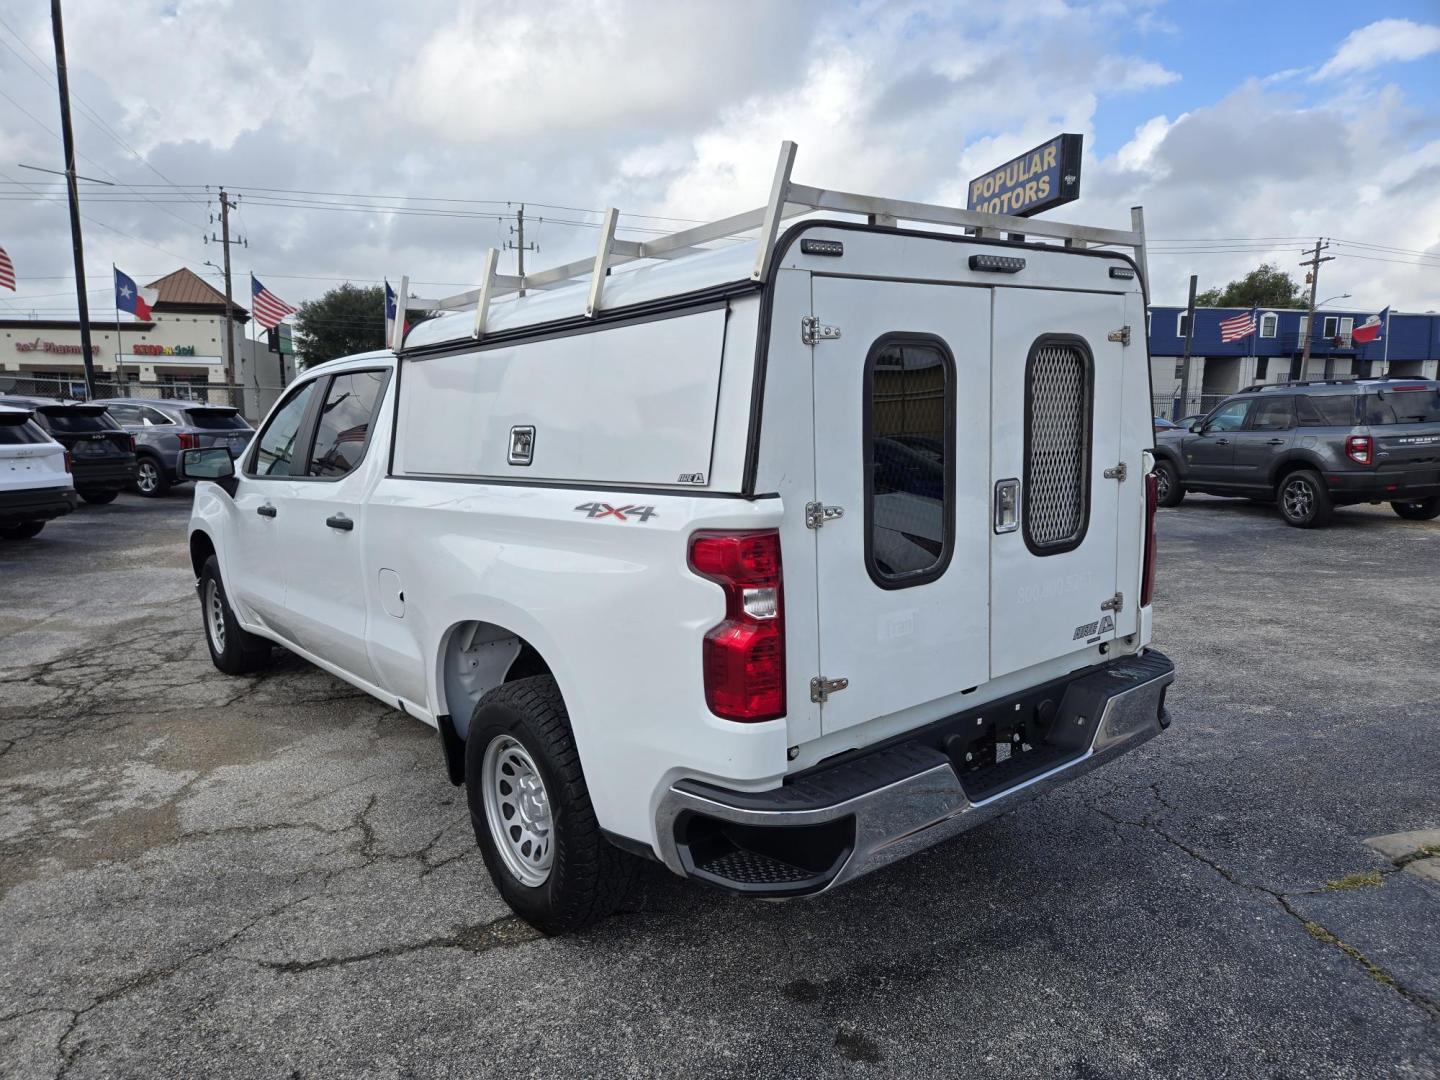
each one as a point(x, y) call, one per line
point(620, 513)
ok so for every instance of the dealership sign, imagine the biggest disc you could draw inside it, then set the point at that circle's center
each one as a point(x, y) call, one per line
point(1038, 180)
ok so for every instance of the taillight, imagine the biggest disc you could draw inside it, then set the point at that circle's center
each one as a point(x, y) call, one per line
point(67, 462)
point(1360, 449)
point(1152, 500)
point(188, 441)
point(131, 439)
point(743, 658)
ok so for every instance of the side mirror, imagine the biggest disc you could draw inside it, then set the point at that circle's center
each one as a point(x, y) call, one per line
point(1197, 427)
point(206, 463)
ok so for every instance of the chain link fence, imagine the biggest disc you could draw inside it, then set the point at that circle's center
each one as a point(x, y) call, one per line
point(252, 401)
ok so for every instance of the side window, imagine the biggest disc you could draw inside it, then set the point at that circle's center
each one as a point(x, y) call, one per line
point(1058, 405)
point(281, 439)
point(154, 417)
point(1272, 414)
point(1326, 410)
point(124, 414)
point(909, 459)
point(1229, 417)
point(345, 421)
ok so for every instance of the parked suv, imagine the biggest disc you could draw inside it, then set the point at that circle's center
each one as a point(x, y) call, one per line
point(1312, 446)
point(35, 484)
point(724, 561)
point(164, 428)
point(102, 455)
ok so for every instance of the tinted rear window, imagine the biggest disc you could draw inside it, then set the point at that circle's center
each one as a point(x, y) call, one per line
point(1326, 410)
point(217, 419)
point(27, 431)
point(74, 421)
point(1403, 407)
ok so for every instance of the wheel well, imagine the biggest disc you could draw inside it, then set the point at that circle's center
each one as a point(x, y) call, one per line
point(200, 549)
point(477, 657)
point(1290, 465)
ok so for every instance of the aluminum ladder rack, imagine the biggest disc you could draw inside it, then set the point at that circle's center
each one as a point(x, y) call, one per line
point(787, 199)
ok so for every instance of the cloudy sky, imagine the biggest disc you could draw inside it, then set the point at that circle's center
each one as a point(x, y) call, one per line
point(369, 139)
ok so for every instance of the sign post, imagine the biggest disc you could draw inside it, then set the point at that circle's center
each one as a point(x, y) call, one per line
point(1038, 180)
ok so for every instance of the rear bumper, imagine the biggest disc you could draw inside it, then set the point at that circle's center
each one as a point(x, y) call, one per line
point(37, 504)
point(1384, 485)
point(111, 474)
point(837, 822)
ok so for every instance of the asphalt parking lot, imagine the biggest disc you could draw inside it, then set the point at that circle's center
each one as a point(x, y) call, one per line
point(271, 877)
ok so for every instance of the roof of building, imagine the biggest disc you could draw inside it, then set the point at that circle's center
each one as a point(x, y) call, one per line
point(185, 290)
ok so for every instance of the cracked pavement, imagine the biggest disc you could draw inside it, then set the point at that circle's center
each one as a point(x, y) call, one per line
point(270, 876)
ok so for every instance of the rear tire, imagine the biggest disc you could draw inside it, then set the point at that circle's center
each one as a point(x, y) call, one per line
point(99, 498)
point(24, 531)
point(233, 650)
point(1168, 491)
point(150, 478)
point(1303, 499)
point(1418, 509)
point(531, 811)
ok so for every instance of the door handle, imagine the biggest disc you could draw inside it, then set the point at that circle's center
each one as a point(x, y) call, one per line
point(1222, 442)
point(1274, 442)
point(265, 511)
point(340, 521)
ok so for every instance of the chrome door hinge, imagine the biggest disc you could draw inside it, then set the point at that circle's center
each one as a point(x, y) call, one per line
point(1119, 472)
point(816, 514)
point(1122, 335)
point(813, 330)
point(1115, 603)
point(821, 688)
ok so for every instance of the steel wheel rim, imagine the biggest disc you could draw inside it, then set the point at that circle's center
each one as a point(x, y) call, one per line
point(146, 478)
point(517, 809)
point(1298, 499)
point(215, 615)
point(1162, 483)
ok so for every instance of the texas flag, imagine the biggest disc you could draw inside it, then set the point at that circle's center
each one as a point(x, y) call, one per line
point(1371, 328)
point(130, 297)
point(391, 304)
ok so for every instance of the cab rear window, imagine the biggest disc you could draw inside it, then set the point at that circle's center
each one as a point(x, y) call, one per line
point(1401, 406)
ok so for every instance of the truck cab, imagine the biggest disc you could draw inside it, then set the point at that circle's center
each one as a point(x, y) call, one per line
point(773, 562)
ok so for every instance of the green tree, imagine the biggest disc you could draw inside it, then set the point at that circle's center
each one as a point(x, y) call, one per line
point(1266, 286)
point(349, 319)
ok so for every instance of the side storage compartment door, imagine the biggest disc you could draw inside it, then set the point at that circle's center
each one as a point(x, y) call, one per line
point(1057, 386)
point(902, 431)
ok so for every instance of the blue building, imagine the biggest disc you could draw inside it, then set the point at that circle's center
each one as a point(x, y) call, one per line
point(1410, 346)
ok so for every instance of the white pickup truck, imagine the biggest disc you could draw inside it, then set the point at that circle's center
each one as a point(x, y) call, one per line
point(775, 562)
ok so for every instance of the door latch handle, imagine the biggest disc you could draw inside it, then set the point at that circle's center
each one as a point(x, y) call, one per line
point(1222, 442)
point(1274, 442)
point(265, 511)
point(340, 521)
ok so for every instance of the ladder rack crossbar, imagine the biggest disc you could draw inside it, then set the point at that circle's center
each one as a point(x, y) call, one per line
point(787, 199)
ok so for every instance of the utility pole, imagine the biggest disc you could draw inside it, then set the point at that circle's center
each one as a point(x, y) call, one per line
point(82, 302)
point(519, 246)
point(224, 241)
point(1184, 406)
point(1314, 263)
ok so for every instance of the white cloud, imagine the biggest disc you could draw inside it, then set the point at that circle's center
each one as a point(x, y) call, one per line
point(1381, 43)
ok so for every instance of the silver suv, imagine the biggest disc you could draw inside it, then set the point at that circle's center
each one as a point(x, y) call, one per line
point(1312, 446)
point(162, 429)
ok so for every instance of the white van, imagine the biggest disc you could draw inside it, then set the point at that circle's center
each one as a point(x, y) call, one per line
point(774, 562)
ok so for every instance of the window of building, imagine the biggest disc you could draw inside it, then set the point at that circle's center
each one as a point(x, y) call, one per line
point(1273, 414)
point(1347, 324)
point(1262, 368)
point(1181, 322)
point(1304, 327)
point(1180, 368)
point(909, 452)
point(345, 422)
point(1330, 327)
point(1058, 405)
point(1269, 323)
point(278, 443)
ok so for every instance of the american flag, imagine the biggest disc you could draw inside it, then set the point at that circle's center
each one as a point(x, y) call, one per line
point(1238, 326)
point(7, 271)
point(269, 309)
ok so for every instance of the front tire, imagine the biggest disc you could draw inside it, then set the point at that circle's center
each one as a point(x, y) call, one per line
point(1168, 491)
point(150, 478)
point(23, 531)
point(1303, 499)
point(233, 650)
point(99, 498)
point(531, 811)
point(1418, 509)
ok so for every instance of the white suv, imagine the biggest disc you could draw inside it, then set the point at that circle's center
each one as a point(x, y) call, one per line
point(775, 563)
point(35, 481)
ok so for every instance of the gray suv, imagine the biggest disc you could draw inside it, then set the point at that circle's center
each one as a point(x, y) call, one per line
point(164, 428)
point(1312, 446)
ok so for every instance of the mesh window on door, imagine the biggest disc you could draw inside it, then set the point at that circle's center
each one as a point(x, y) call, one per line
point(1057, 446)
point(345, 420)
point(909, 387)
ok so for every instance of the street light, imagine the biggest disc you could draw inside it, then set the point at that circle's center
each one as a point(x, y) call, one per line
point(1342, 296)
